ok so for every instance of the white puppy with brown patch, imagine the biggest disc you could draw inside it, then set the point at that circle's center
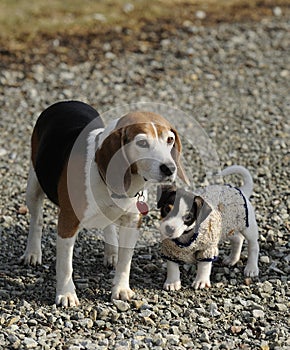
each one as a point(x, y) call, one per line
point(194, 223)
point(93, 174)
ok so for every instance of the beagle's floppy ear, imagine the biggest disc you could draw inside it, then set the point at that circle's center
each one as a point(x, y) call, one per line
point(113, 164)
point(176, 152)
point(163, 194)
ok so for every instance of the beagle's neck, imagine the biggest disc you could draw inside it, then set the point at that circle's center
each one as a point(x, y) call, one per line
point(137, 185)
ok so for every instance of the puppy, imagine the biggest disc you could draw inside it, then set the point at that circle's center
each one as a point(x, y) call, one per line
point(93, 174)
point(193, 224)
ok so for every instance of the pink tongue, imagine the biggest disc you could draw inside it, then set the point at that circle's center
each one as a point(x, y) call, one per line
point(142, 207)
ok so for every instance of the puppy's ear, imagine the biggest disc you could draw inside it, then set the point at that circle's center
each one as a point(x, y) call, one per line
point(113, 164)
point(163, 193)
point(176, 152)
point(203, 209)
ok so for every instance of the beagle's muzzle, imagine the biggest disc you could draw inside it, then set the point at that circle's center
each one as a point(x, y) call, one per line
point(92, 173)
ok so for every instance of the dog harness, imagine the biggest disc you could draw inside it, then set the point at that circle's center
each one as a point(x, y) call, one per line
point(227, 212)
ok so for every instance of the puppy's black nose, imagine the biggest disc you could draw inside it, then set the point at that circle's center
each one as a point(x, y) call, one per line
point(167, 169)
point(169, 230)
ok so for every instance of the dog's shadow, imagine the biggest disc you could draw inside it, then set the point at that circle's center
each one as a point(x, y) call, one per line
point(36, 284)
point(93, 280)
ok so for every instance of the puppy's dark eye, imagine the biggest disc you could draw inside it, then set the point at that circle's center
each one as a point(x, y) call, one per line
point(170, 140)
point(142, 143)
point(188, 218)
point(166, 210)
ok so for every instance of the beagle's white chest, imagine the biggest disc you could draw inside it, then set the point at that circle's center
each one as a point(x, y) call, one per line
point(102, 207)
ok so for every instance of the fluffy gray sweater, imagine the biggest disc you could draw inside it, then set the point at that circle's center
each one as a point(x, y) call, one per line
point(226, 213)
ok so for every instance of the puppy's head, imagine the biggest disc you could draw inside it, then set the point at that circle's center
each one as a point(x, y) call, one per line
point(144, 144)
point(179, 210)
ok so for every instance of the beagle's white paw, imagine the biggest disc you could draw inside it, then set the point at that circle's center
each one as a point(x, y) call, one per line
point(31, 258)
point(168, 285)
point(67, 299)
point(201, 283)
point(110, 260)
point(110, 255)
point(122, 292)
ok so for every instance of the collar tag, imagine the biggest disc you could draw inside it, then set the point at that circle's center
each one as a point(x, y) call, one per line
point(141, 205)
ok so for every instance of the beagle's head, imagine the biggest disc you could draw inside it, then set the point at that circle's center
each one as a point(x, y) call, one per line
point(142, 145)
point(180, 210)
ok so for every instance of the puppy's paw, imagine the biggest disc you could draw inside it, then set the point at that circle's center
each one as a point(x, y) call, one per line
point(201, 283)
point(168, 285)
point(251, 271)
point(67, 299)
point(122, 292)
point(230, 260)
point(31, 258)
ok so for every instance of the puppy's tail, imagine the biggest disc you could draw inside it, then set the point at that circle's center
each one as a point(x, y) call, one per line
point(248, 185)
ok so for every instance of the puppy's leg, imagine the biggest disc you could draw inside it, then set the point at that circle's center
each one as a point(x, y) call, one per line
point(173, 276)
point(236, 246)
point(128, 236)
point(252, 235)
point(34, 200)
point(202, 279)
point(111, 246)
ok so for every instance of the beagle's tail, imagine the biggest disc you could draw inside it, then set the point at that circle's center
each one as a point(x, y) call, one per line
point(248, 185)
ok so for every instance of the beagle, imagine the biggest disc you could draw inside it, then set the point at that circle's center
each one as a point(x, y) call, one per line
point(195, 222)
point(93, 173)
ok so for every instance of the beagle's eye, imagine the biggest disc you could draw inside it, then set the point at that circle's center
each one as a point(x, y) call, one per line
point(142, 143)
point(188, 218)
point(170, 140)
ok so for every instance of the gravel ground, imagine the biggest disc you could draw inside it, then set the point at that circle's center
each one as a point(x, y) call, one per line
point(232, 79)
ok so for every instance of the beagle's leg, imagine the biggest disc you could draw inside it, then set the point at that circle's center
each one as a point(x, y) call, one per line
point(65, 288)
point(67, 233)
point(111, 246)
point(128, 236)
point(202, 279)
point(236, 246)
point(34, 200)
point(173, 277)
point(252, 235)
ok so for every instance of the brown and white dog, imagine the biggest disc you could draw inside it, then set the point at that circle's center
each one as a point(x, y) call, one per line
point(93, 174)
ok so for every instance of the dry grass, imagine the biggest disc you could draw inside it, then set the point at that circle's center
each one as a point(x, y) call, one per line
point(22, 21)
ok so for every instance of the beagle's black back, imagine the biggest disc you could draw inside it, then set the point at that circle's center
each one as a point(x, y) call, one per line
point(54, 135)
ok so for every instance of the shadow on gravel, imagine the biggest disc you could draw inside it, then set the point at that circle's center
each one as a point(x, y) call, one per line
point(36, 284)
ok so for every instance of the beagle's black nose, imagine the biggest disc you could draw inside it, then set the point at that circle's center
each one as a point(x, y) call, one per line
point(167, 169)
point(169, 230)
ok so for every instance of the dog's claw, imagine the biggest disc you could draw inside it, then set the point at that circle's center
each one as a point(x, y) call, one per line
point(200, 284)
point(31, 259)
point(110, 255)
point(111, 260)
point(67, 300)
point(171, 286)
point(251, 271)
point(230, 261)
point(123, 293)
